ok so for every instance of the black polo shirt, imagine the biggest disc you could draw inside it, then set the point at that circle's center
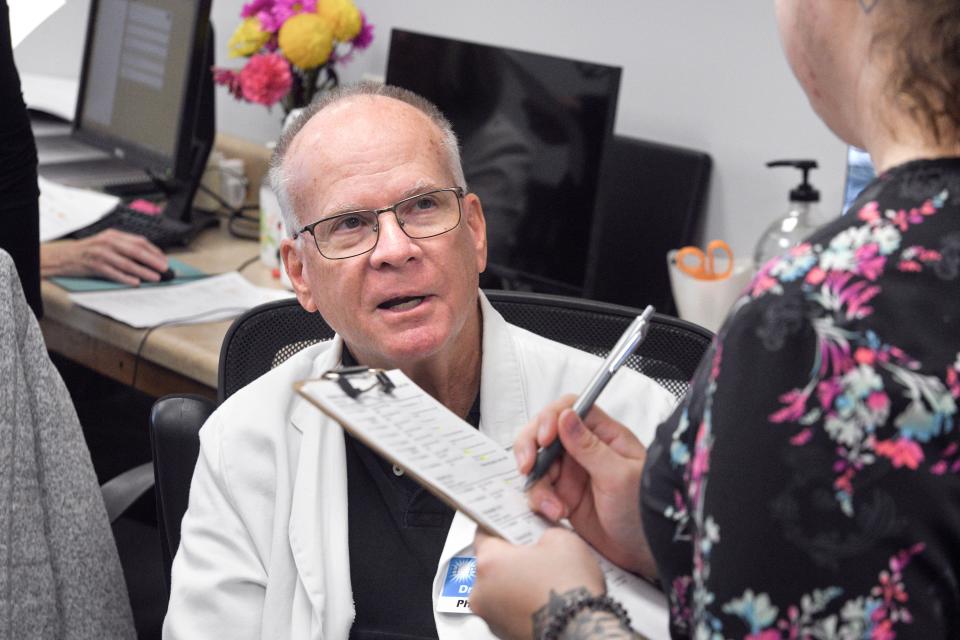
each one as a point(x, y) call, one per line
point(397, 530)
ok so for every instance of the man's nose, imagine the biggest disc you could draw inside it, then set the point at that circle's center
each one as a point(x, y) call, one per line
point(393, 245)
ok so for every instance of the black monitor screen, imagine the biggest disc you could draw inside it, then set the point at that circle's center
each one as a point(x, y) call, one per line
point(138, 78)
point(532, 131)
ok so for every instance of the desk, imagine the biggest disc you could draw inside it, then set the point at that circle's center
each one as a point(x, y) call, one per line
point(175, 359)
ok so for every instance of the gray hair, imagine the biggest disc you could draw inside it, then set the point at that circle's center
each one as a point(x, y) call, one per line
point(279, 180)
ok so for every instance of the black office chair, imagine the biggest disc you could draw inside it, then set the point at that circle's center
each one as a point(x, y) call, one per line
point(267, 335)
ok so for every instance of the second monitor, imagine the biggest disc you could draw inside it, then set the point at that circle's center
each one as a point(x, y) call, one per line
point(533, 130)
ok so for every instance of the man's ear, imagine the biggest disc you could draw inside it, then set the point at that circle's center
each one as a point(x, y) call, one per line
point(293, 263)
point(475, 221)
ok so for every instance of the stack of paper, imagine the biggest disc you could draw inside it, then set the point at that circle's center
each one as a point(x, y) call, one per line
point(63, 209)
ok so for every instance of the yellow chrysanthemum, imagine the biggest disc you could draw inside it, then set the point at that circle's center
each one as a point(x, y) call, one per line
point(343, 16)
point(248, 38)
point(306, 40)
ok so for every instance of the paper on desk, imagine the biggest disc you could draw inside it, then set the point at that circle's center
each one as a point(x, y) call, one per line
point(52, 94)
point(464, 468)
point(214, 298)
point(64, 209)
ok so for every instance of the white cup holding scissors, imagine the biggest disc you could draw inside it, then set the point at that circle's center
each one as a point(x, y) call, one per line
point(705, 284)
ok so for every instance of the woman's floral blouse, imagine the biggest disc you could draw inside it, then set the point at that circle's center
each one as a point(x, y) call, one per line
point(809, 486)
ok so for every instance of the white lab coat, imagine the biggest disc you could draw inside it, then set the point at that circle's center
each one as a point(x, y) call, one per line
point(264, 550)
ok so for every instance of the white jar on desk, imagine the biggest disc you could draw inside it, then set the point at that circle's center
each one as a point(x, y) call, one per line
point(271, 226)
point(271, 233)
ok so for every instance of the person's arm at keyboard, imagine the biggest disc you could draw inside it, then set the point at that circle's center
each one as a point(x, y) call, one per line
point(112, 254)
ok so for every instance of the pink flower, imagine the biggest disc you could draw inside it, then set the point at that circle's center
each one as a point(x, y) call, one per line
point(268, 22)
point(802, 438)
point(870, 212)
point(285, 9)
point(909, 265)
point(900, 219)
point(883, 631)
point(254, 7)
point(878, 401)
point(815, 276)
point(263, 11)
point(869, 262)
point(266, 78)
point(856, 296)
point(902, 452)
point(701, 459)
point(827, 390)
point(864, 356)
point(761, 284)
point(230, 79)
point(796, 405)
point(768, 634)
point(365, 36)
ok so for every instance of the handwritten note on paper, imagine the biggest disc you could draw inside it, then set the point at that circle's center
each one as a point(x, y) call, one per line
point(465, 468)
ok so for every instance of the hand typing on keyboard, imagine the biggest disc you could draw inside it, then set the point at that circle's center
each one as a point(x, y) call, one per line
point(115, 255)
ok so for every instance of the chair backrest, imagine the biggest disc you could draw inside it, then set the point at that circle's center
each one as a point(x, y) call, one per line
point(267, 335)
point(175, 423)
point(652, 198)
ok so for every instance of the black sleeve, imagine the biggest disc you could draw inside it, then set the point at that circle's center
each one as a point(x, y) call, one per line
point(19, 194)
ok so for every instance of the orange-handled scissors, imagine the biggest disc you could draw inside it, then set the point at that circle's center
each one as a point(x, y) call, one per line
point(702, 264)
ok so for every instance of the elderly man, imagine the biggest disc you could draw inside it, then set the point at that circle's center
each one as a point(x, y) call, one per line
point(296, 530)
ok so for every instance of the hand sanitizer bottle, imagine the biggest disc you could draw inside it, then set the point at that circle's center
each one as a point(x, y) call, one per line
point(802, 217)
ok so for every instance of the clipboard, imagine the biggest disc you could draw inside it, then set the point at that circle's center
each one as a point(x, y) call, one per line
point(461, 466)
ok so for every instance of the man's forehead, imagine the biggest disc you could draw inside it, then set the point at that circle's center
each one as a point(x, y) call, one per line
point(360, 137)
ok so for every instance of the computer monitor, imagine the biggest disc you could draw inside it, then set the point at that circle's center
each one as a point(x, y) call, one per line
point(146, 91)
point(533, 130)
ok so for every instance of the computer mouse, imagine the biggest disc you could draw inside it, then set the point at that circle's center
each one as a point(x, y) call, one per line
point(169, 274)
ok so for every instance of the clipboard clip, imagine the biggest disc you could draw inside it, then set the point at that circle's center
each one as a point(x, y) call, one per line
point(343, 375)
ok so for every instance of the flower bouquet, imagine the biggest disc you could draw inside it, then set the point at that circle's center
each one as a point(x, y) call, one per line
point(292, 48)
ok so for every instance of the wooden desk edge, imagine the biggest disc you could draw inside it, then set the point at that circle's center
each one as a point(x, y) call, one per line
point(118, 364)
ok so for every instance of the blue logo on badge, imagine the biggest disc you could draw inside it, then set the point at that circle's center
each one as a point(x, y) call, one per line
point(460, 575)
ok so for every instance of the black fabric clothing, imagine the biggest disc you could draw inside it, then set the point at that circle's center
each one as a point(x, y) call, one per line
point(19, 193)
point(809, 485)
point(396, 530)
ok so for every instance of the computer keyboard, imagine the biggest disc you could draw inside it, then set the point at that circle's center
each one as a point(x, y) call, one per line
point(160, 230)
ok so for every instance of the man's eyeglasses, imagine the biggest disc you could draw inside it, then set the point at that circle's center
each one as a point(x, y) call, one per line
point(350, 234)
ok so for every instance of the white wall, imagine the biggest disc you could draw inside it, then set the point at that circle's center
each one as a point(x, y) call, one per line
point(706, 75)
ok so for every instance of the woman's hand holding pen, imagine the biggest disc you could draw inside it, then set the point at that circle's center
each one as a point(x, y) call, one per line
point(596, 484)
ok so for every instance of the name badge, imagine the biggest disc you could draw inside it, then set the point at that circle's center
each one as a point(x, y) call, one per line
point(457, 585)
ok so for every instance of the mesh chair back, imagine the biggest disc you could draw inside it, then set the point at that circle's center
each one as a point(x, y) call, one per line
point(269, 334)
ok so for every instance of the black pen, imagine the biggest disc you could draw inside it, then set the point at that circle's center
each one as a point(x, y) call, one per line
point(626, 345)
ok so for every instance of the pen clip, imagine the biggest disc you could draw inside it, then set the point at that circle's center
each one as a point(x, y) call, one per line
point(630, 338)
